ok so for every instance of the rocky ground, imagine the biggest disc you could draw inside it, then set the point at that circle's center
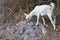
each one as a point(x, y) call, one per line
point(28, 31)
point(22, 30)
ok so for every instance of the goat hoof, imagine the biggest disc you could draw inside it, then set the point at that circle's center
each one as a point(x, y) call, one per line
point(36, 24)
point(45, 25)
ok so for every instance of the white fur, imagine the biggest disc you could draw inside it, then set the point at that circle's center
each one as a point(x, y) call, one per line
point(42, 10)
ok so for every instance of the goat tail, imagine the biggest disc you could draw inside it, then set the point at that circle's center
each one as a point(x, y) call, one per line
point(52, 5)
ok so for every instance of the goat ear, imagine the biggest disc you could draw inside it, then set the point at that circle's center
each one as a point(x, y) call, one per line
point(25, 14)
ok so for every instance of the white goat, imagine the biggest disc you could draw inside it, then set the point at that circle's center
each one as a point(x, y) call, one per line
point(42, 10)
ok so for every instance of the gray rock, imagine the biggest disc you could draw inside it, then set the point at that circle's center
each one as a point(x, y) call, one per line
point(25, 30)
